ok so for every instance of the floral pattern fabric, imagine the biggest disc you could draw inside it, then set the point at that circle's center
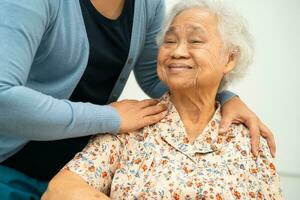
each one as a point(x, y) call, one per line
point(159, 162)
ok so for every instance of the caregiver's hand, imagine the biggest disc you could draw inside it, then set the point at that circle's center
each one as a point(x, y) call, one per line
point(138, 114)
point(235, 111)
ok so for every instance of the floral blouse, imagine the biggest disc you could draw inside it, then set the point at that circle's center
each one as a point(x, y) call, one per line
point(159, 162)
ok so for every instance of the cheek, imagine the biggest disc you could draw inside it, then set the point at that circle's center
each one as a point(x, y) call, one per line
point(209, 78)
point(161, 59)
point(209, 72)
point(208, 60)
point(160, 72)
point(204, 59)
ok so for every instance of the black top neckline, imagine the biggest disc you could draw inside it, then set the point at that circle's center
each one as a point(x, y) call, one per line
point(98, 15)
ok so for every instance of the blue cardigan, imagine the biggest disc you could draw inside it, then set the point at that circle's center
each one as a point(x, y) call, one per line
point(43, 54)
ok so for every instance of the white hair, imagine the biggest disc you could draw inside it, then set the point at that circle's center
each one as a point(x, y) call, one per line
point(232, 28)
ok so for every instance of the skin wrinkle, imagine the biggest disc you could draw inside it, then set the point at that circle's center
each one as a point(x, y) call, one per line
point(194, 40)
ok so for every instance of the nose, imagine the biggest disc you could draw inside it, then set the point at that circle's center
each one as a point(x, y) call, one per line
point(180, 51)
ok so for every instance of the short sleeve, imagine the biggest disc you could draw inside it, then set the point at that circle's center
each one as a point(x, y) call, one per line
point(98, 161)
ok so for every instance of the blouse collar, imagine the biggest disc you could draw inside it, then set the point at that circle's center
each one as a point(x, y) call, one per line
point(172, 130)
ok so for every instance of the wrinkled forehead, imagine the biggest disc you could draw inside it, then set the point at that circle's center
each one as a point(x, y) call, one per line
point(194, 20)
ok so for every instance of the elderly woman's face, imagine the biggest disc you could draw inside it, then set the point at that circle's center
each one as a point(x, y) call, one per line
point(192, 54)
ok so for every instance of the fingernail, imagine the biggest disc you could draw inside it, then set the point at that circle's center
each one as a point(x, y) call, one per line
point(255, 155)
point(273, 155)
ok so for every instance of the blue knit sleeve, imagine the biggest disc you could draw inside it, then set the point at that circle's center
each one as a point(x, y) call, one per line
point(225, 96)
point(145, 70)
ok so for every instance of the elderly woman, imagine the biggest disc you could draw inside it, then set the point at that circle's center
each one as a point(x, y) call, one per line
point(204, 47)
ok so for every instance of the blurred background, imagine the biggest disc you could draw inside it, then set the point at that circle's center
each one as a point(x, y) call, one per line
point(271, 88)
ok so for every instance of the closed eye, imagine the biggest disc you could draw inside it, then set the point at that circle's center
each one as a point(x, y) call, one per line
point(196, 41)
point(169, 41)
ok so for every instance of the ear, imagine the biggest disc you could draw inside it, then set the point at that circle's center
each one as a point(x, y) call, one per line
point(231, 61)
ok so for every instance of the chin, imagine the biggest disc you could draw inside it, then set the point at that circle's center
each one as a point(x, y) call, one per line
point(179, 85)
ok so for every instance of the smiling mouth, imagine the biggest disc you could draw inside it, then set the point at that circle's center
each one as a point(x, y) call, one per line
point(179, 67)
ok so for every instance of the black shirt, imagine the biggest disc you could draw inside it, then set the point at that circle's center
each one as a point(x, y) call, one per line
point(109, 47)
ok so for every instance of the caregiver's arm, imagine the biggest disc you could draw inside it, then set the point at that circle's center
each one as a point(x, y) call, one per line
point(145, 69)
point(29, 114)
point(70, 186)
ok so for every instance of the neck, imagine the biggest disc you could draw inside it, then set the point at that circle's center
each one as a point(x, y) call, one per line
point(195, 109)
point(110, 9)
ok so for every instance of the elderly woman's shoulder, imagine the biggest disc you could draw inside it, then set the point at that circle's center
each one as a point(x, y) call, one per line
point(121, 139)
point(101, 139)
point(138, 136)
point(242, 139)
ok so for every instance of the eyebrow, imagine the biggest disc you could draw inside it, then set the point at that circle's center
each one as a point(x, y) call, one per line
point(173, 29)
point(198, 28)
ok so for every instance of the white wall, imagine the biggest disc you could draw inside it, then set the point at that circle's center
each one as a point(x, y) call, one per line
point(271, 88)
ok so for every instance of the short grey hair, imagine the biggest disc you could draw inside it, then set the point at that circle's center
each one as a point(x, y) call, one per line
point(233, 30)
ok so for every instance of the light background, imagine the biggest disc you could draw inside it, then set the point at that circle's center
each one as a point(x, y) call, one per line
point(271, 88)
